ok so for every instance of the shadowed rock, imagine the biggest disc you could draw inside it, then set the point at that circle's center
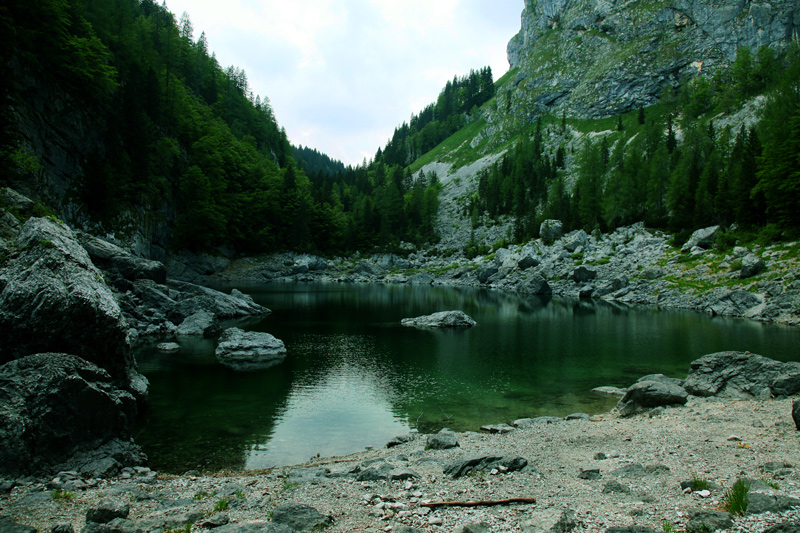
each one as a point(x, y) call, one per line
point(648, 394)
point(249, 350)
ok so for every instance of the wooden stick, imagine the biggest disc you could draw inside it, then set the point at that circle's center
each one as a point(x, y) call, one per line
point(478, 503)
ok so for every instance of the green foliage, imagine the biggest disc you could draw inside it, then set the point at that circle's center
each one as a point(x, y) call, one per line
point(736, 498)
point(699, 483)
point(221, 505)
point(202, 495)
point(62, 495)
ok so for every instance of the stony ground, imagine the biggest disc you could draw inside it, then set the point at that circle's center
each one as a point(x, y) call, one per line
point(711, 439)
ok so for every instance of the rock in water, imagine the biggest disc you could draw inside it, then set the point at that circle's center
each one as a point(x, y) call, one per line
point(54, 405)
point(249, 350)
point(442, 319)
point(53, 299)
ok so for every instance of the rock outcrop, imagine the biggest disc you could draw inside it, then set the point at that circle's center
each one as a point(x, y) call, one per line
point(648, 394)
point(442, 319)
point(54, 406)
point(249, 350)
point(742, 375)
point(53, 299)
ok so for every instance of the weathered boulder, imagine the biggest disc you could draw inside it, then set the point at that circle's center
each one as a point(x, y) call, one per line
point(485, 272)
point(107, 510)
point(752, 265)
point(536, 285)
point(168, 347)
point(249, 350)
point(119, 262)
point(301, 517)
point(528, 261)
point(649, 394)
point(551, 230)
point(731, 302)
point(193, 298)
point(445, 439)
point(575, 240)
point(703, 238)
point(705, 520)
point(768, 500)
point(796, 413)
point(53, 406)
point(200, 324)
point(442, 319)
point(742, 375)
point(582, 274)
point(53, 299)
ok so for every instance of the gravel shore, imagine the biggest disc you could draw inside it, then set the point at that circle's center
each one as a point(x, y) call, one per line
point(585, 475)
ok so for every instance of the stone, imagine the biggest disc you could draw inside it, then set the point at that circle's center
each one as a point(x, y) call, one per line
point(7, 526)
point(770, 501)
point(528, 422)
point(702, 238)
point(258, 526)
point(634, 470)
point(498, 428)
point(609, 391)
point(442, 319)
point(106, 511)
point(397, 440)
point(484, 463)
point(119, 262)
point(193, 298)
point(615, 487)
point(168, 347)
point(577, 416)
point(575, 240)
point(796, 413)
point(474, 527)
point(528, 261)
point(653, 272)
point(300, 517)
point(785, 527)
point(536, 285)
point(59, 527)
point(648, 394)
point(200, 324)
point(589, 473)
point(742, 375)
point(712, 520)
point(630, 529)
point(443, 440)
point(485, 272)
point(661, 378)
point(582, 274)
point(550, 231)
point(751, 266)
point(402, 474)
point(249, 350)
point(54, 405)
point(53, 299)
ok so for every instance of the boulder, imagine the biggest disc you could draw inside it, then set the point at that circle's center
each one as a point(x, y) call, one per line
point(119, 262)
point(575, 240)
point(768, 500)
point(485, 272)
point(528, 261)
point(249, 350)
point(443, 440)
point(53, 406)
point(648, 394)
point(53, 299)
point(582, 274)
point(551, 230)
point(301, 517)
point(536, 285)
point(742, 375)
point(107, 510)
point(705, 520)
point(168, 347)
point(752, 265)
point(7, 526)
point(442, 319)
point(796, 413)
point(702, 238)
point(201, 324)
point(653, 272)
point(485, 463)
point(191, 298)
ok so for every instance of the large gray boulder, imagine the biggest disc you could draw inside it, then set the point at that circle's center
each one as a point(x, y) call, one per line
point(551, 230)
point(301, 517)
point(200, 324)
point(536, 285)
point(703, 238)
point(752, 265)
point(249, 350)
point(742, 375)
point(191, 298)
point(53, 299)
point(119, 262)
point(442, 319)
point(53, 406)
point(582, 274)
point(648, 394)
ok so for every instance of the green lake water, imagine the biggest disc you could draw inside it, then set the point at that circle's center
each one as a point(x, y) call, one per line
point(354, 377)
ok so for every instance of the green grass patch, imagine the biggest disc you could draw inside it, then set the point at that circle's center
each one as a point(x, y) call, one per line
point(62, 495)
point(736, 498)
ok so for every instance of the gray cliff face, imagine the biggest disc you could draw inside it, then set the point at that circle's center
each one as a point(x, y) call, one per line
point(596, 58)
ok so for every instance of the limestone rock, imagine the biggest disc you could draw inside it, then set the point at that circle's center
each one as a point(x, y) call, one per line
point(106, 511)
point(53, 299)
point(550, 230)
point(703, 238)
point(54, 405)
point(536, 285)
point(443, 440)
point(582, 274)
point(485, 463)
point(751, 266)
point(647, 394)
point(249, 350)
point(117, 261)
point(300, 517)
point(742, 375)
point(200, 324)
point(712, 520)
point(442, 319)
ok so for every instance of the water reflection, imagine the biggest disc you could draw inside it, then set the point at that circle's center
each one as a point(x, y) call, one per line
point(354, 377)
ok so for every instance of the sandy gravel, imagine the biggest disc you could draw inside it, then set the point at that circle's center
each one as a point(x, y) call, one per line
point(708, 438)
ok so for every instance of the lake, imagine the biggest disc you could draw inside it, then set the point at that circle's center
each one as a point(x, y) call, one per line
point(354, 377)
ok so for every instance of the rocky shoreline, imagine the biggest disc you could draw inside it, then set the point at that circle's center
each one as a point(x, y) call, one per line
point(666, 469)
point(631, 266)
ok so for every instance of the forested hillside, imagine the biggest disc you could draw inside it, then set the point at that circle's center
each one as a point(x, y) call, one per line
point(116, 115)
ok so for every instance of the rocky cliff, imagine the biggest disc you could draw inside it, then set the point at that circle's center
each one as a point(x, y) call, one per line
point(596, 58)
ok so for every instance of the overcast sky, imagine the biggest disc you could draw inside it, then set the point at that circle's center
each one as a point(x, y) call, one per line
point(342, 74)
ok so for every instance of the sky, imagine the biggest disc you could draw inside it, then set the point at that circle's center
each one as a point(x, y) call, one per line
point(341, 75)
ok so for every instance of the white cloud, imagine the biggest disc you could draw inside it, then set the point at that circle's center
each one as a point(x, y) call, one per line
point(342, 74)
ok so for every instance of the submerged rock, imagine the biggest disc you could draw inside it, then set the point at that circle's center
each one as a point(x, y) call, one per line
point(442, 319)
point(249, 350)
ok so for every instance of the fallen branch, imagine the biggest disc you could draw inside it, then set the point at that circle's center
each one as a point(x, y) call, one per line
point(478, 503)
